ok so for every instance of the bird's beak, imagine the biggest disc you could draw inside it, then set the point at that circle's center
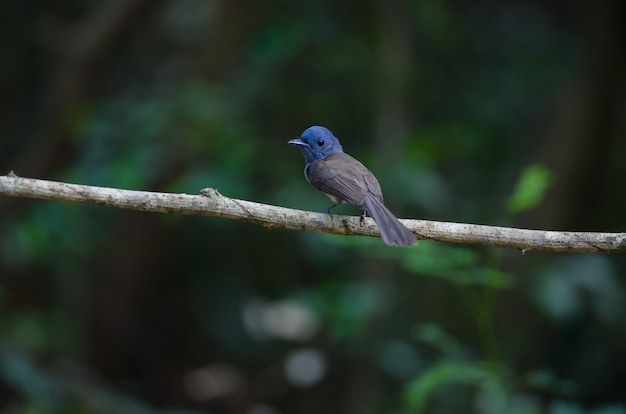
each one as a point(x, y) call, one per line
point(298, 142)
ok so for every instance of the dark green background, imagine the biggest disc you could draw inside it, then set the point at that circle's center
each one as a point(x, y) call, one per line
point(503, 113)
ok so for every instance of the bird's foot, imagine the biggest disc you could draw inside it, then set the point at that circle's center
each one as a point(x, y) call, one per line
point(327, 211)
point(362, 218)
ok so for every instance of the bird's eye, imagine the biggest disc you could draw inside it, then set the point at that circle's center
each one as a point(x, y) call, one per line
point(320, 143)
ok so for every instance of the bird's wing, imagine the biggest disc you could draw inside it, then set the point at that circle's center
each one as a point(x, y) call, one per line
point(345, 178)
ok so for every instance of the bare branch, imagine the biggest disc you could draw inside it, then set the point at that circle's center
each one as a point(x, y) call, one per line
point(212, 203)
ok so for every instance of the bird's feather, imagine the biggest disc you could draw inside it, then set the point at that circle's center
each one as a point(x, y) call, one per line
point(345, 178)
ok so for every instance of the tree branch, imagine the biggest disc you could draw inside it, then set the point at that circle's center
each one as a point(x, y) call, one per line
point(212, 203)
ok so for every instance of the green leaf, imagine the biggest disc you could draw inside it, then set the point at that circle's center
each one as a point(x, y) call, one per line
point(530, 190)
point(451, 372)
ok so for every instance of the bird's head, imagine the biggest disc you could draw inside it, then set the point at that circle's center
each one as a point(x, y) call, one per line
point(316, 143)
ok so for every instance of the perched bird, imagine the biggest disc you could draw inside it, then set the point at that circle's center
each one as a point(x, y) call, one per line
point(345, 180)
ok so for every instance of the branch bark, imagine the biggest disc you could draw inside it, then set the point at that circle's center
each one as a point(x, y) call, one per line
point(212, 203)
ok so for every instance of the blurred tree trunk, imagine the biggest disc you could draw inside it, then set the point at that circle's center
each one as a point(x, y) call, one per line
point(81, 50)
point(394, 74)
point(577, 147)
point(235, 21)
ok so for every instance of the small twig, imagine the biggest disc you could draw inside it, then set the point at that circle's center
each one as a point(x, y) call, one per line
point(212, 203)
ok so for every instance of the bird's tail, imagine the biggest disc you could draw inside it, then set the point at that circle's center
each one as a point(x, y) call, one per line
point(391, 230)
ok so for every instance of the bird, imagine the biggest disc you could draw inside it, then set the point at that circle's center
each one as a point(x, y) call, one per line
point(345, 180)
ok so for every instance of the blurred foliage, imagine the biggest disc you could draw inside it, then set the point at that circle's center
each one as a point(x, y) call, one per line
point(481, 112)
point(530, 189)
point(455, 372)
